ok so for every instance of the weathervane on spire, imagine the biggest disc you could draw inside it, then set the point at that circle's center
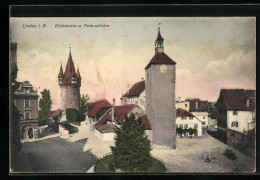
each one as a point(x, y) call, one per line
point(70, 47)
point(159, 26)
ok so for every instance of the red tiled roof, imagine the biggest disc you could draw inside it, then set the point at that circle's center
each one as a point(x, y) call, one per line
point(136, 89)
point(16, 84)
point(119, 111)
point(97, 106)
point(69, 71)
point(202, 105)
point(145, 122)
point(106, 117)
point(183, 113)
point(54, 113)
point(109, 127)
point(90, 104)
point(61, 72)
point(236, 99)
point(159, 37)
point(250, 93)
point(160, 58)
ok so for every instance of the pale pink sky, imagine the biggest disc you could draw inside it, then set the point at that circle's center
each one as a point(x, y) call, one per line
point(211, 53)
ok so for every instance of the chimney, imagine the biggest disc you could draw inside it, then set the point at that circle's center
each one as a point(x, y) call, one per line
point(113, 110)
point(196, 105)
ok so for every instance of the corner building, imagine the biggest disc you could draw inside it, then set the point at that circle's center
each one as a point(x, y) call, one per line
point(160, 96)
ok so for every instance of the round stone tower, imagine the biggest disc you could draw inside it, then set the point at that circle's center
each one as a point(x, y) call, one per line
point(70, 83)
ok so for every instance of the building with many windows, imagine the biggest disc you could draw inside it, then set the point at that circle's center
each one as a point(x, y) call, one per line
point(186, 120)
point(236, 115)
point(26, 100)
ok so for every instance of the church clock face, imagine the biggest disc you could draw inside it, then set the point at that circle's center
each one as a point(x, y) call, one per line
point(163, 69)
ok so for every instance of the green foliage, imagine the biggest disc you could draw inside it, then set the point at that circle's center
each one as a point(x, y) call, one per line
point(185, 131)
point(45, 106)
point(75, 122)
point(107, 165)
point(43, 117)
point(45, 101)
point(179, 131)
point(190, 130)
point(83, 100)
point(72, 115)
point(71, 128)
point(132, 146)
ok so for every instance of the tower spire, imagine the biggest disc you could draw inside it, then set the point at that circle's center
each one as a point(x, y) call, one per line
point(78, 74)
point(61, 71)
point(159, 41)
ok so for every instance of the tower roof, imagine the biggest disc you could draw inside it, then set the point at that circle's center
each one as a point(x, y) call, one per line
point(159, 36)
point(69, 71)
point(61, 72)
point(160, 58)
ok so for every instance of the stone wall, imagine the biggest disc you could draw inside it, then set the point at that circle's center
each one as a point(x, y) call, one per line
point(70, 97)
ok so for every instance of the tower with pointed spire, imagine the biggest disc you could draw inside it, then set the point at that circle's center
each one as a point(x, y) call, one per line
point(160, 75)
point(159, 42)
point(69, 82)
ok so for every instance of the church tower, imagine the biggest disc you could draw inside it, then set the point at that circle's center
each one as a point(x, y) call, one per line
point(160, 76)
point(70, 82)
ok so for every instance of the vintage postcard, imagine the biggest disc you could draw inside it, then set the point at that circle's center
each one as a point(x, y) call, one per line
point(132, 95)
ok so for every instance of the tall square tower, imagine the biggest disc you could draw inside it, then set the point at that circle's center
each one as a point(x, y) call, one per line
point(160, 96)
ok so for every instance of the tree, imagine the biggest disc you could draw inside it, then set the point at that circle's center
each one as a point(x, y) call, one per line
point(83, 100)
point(191, 131)
point(72, 115)
point(45, 105)
point(179, 131)
point(132, 146)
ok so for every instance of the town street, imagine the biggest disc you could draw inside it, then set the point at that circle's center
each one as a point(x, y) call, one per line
point(78, 153)
point(54, 155)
